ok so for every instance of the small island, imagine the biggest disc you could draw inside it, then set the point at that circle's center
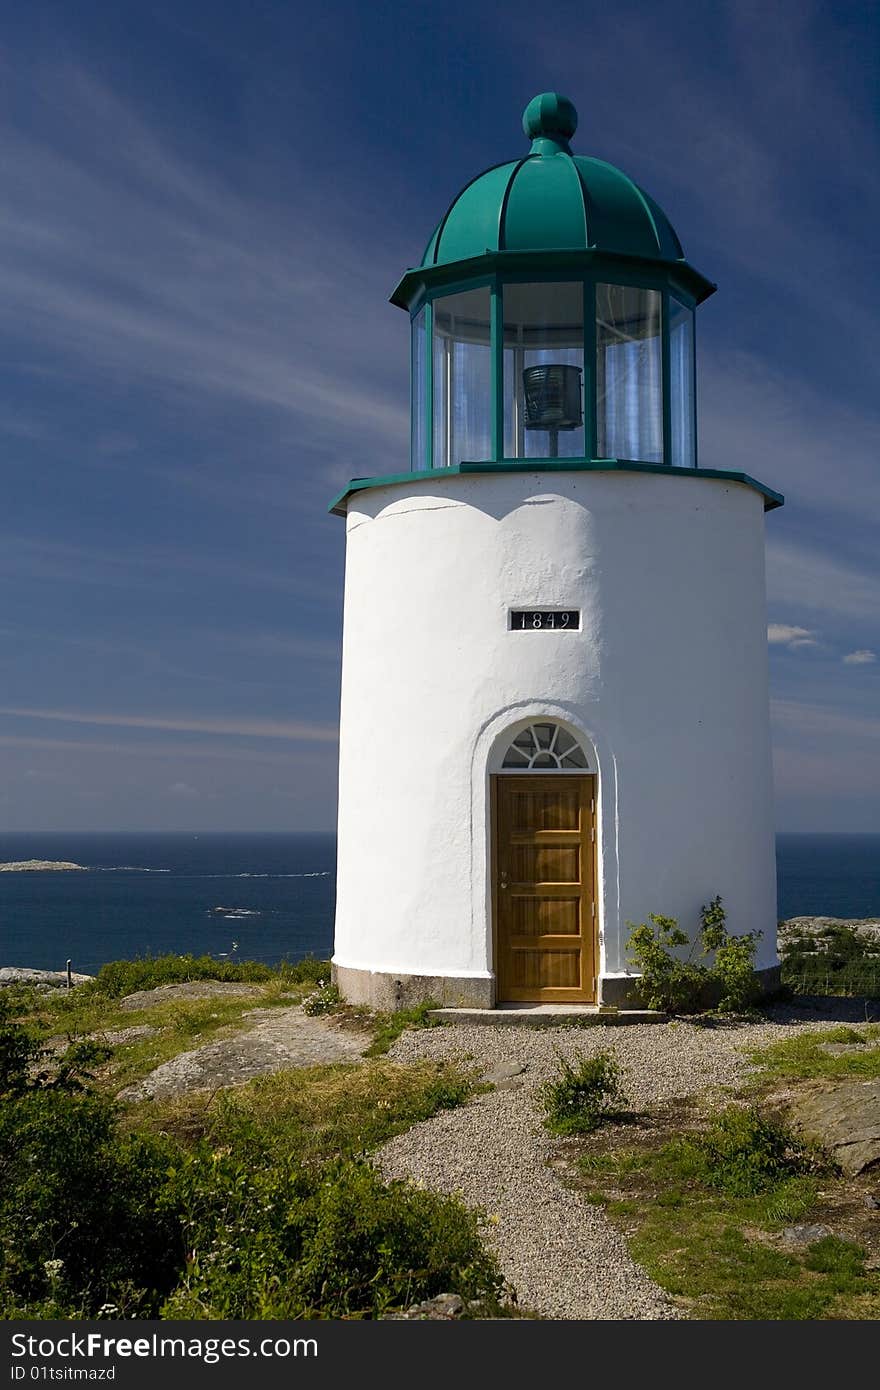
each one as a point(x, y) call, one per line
point(23, 866)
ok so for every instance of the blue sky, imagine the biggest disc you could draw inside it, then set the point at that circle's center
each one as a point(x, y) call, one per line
point(204, 210)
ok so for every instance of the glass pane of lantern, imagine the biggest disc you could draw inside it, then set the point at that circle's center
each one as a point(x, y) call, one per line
point(681, 384)
point(417, 391)
point(629, 390)
point(543, 370)
point(462, 379)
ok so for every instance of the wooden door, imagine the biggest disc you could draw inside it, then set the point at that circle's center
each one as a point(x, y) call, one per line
point(545, 888)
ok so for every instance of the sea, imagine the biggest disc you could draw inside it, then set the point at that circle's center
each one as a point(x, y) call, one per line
point(270, 897)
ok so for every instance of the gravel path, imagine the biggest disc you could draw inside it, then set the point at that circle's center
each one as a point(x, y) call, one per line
point(561, 1254)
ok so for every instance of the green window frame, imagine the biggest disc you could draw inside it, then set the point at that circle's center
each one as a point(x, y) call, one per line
point(599, 273)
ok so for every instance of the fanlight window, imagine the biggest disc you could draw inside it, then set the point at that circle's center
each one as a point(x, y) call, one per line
point(544, 748)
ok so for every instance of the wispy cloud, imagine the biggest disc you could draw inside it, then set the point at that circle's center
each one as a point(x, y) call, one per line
point(783, 634)
point(89, 749)
point(863, 657)
point(800, 575)
point(249, 728)
point(185, 790)
point(151, 269)
point(805, 718)
point(141, 566)
point(751, 408)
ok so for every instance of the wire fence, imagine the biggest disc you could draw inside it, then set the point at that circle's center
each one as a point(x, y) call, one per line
point(851, 981)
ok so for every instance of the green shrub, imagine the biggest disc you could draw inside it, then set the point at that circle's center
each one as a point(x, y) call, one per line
point(323, 1000)
point(582, 1094)
point(669, 984)
point(308, 971)
point(682, 986)
point(19, 1054)
point(25, 1065)
point(256, 1221)
point(744, 1152)
point(83, 1218)
point(121, 977)
point(733, 972)
point(289, 1242)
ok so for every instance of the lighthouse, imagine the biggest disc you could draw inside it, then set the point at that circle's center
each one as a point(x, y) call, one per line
point(554, 709)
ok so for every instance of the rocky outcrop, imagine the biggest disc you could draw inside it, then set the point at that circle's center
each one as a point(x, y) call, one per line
point(43, 979)
point(277, 1040)
point(845, 1120)
point(185, 991)
point(867, 929)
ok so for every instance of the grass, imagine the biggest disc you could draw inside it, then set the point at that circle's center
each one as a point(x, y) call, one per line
point(310, 1114)
point(180, 1024)
point(279, 1212)
point(121, 977)
point(704, 1206)
point(800, 1058)
point(389, 1026)
point(704, 1213)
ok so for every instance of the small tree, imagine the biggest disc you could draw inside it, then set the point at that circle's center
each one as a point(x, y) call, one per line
point(681, 986)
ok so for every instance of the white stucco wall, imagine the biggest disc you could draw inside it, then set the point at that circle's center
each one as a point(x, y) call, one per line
point(666, 682)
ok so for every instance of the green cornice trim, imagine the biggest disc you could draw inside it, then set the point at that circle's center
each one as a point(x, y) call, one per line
point(772, 499)
point(425, 280)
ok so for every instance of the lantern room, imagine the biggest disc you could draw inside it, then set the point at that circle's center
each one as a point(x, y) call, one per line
point(553, 316)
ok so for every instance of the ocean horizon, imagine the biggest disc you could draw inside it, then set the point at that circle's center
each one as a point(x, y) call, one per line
point(271, 895)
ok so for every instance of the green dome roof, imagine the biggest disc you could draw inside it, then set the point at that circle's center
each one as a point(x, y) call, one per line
point(552, 200)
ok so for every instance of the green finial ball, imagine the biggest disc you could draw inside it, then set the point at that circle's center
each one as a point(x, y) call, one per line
point(550, 114)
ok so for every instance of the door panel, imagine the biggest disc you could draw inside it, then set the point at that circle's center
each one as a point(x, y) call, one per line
point(545, 864)
point(545, 916)
point(545, 889)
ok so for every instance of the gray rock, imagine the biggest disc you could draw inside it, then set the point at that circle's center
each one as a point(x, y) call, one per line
point(449, 1304)
point(49, 979)
point(840, 1049)
point(871, 1203)
point(845, 1119)
point(187, 989)
point(277, 1040)
point(439, 1309)
point(114, 1036)
point(805, 1235)
point(509, 1083)
point(504, 1071)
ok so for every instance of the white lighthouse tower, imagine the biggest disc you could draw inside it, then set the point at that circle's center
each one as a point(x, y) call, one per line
point(554, 681)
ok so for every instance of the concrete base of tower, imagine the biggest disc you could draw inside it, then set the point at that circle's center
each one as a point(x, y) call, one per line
point(387, 991)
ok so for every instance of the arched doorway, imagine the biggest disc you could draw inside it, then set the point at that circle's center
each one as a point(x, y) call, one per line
point(545, 875)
